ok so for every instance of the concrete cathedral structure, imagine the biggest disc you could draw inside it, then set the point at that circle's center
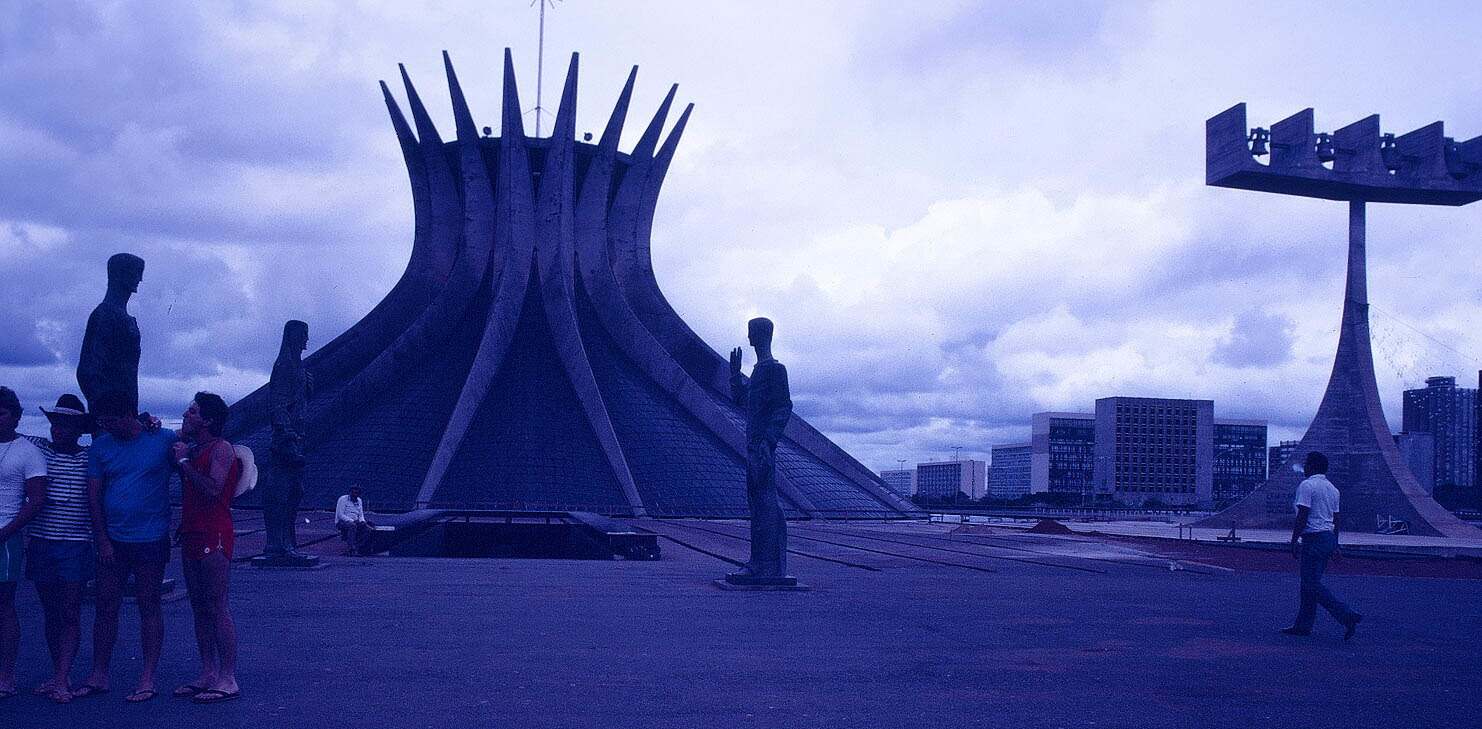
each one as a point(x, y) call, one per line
point(1358, 165)
point(526, 358)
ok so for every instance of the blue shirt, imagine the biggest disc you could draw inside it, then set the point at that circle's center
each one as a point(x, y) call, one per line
point(136, 484)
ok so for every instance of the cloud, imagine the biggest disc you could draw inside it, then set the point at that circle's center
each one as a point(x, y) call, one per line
point(958, 213)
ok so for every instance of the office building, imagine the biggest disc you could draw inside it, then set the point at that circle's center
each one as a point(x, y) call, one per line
point(945, 479)
point(1449, 414)
point(1279, 454)
point(1154, 450)
point(1419, 451)
point(1240, 458)
point(1010, 475)
point(1063, 456)
point(902, 482)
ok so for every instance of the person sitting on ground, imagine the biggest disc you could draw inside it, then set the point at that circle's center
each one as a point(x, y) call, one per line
point(208, 476)
point(349, 518)
point(60, 555)
point(22, 494)
point(128, 478)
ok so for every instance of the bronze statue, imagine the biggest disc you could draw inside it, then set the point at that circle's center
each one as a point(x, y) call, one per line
point(288, 391)
point(768, 407)
point(110, 346)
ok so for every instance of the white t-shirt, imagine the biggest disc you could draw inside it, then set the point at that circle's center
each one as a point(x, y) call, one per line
point(20, 461)
point(1320, 497)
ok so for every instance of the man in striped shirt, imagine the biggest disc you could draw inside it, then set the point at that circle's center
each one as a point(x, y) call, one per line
point(60, 558)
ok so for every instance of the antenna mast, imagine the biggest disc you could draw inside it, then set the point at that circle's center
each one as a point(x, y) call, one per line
point(540, 61)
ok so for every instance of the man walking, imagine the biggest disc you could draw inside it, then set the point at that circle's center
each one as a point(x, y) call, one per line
point(1314, 541)
point(128, 474)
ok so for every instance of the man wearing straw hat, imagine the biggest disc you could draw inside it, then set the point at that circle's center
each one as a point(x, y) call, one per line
point(60, 555)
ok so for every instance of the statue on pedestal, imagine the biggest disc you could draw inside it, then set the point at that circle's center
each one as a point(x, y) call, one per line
point(110, 347)
point(288, 397)
point(768, 405)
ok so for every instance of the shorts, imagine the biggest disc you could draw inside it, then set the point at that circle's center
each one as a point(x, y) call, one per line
point(128, 555)
point(60, 560)
point(10, 558)
point(200, 545)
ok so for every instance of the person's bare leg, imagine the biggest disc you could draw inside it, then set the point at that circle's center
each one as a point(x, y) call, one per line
point(69, 635)
point(50, 594)
point(200, 609)
point(10, 637)
point(215, 578)
point(110, 581)
point(147, 579)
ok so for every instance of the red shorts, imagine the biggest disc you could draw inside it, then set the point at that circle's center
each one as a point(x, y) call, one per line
point(200, 545)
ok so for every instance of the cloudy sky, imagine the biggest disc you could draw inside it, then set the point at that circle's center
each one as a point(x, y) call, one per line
point(958, 213)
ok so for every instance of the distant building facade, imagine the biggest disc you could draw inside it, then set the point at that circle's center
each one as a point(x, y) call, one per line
point(944, 479)
point(901, 481)
point(1063, 455)
point(1449, 414)
point(1279, 454)
point(1154, 449)
point(1010, 474)
point(1419, 451)
point(1240, 458)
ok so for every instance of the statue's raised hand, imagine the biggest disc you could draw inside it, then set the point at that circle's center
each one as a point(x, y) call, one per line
point(736, 361)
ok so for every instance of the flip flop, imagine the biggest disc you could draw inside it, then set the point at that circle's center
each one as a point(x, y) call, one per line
point(139, 697)
point(88, 690)
point(187, 690)
point(60, 696)
point(212, 696)
point(44, 689)
point(7, 694)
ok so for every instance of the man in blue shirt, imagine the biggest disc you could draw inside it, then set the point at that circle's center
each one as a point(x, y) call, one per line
point(128, 477)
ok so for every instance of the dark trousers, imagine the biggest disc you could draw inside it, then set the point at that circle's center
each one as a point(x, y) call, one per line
point(768, 526)
point(1317, 548)
point(356, 534)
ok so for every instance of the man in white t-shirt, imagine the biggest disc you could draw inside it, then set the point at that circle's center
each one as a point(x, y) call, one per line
point(1314, 541)
point(349, 518)
point(22, 493)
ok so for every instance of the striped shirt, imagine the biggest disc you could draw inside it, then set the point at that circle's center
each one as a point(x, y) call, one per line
point(64, 516)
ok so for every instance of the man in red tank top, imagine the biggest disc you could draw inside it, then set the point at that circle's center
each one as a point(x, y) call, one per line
point(208, 476)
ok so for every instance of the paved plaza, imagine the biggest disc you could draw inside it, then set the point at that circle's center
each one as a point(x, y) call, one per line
point(906, 624)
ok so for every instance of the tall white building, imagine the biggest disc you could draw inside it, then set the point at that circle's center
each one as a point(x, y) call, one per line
point(944, 479)
point(1010, 477)
point(1157, 450)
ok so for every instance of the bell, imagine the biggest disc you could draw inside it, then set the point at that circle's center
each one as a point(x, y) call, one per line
point(1258, 137)
point(1325, 147)
point(1390, 152)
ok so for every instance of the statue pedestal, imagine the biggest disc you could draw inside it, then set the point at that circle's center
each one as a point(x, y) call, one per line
point(760, 584)
point(287, 561)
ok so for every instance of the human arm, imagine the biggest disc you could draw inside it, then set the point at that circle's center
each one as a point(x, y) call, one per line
point(1337, 553)
point(35, 498)
point(212, 481)
point(738, 385)
point(100, 523)
point(1297, 528)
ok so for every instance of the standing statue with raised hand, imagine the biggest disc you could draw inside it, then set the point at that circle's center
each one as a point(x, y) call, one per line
point(109, 361)
point(288, 397)
point(768, 406)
